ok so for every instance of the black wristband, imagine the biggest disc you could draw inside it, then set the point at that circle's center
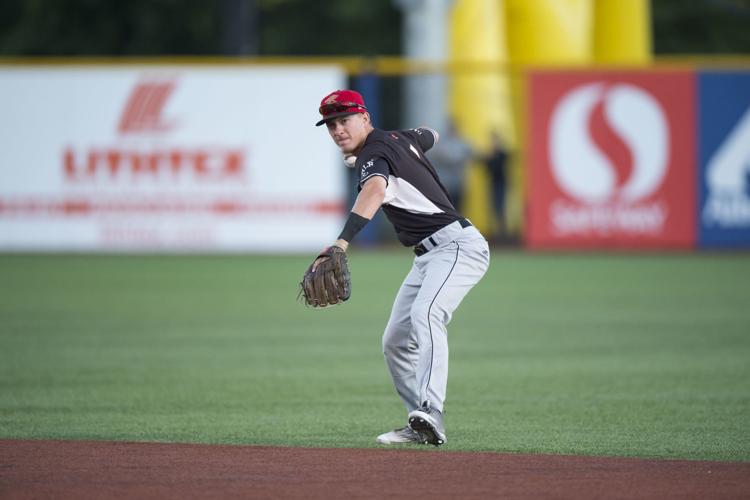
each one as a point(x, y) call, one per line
point(354, 224)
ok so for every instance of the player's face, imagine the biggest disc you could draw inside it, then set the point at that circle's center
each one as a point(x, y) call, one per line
point(349, 132)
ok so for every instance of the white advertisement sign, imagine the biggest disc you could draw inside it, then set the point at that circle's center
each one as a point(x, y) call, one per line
point(193, 158)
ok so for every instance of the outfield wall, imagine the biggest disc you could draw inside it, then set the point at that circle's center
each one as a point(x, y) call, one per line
point(167, 157)
point(219, 156)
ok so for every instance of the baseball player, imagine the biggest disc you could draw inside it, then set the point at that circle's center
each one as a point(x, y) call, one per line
point(451, 254)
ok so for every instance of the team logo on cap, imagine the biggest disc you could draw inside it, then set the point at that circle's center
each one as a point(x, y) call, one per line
point(331, 99)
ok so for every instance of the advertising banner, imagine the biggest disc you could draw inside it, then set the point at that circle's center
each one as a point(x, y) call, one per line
point(195, 158)
point(724, 179)
point(611, 160)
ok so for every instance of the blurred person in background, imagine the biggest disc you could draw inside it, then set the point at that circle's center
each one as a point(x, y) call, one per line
point(450, 158)
point(496, 162)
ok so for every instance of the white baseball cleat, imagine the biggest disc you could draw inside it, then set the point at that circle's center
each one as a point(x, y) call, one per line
point(403, 435)
point(427, 423)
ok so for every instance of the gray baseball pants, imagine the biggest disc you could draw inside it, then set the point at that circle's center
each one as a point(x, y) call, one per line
point(415, 342)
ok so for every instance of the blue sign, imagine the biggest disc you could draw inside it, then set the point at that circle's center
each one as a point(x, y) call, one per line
point(724, 154)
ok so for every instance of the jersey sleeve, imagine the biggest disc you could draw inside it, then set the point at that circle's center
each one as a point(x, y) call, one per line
point(423, 136)
point(372, 166)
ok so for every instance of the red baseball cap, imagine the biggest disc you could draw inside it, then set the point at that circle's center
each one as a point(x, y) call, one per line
point(341, 103)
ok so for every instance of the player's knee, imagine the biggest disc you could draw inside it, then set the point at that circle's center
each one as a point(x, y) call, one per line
point(422, 315)
point(389, 347)
point(394, 336)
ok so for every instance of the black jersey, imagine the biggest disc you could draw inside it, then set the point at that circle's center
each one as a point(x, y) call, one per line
point(416, 202)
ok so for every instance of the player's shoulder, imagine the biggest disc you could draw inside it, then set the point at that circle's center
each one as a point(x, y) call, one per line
point(374, 138)
point(391, 137)
point(375, 145)
point(379, 136)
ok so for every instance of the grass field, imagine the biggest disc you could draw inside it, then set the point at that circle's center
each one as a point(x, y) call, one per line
point(630, 355)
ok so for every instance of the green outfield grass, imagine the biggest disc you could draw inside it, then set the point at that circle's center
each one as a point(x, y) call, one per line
point(632, 355)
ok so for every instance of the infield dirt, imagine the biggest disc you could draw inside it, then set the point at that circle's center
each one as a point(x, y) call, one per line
point(86, 469)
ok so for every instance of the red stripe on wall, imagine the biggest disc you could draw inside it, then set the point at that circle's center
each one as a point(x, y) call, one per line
point(177, 206)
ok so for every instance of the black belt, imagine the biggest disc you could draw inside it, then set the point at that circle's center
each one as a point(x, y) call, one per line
point(421, 249)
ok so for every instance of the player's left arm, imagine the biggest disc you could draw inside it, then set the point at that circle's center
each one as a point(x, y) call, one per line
point(368, 201)
point(434, 134)
point(425, 137)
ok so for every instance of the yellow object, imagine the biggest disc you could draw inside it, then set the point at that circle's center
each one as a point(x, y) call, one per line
point(479, 101)
point(540, 32)
point(549, 31)
point(622, 31)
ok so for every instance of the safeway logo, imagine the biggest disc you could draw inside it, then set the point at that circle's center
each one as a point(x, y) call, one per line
point(149, 150)
point(608, 150)
point(609, 158)
point(609, 143)
point(145, 107)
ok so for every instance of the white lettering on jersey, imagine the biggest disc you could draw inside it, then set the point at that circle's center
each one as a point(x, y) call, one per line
point(365, 166)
